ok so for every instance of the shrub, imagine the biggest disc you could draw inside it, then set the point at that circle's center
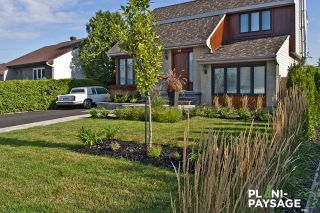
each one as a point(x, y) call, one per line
point(155, 151)
point(158, 101)
point(259, 103)
point(27, 95)
point(244, 101)
point(176, 156)
point(244, 113)
point(110, 132)
point(115, 146)
point(167, 114)
point(103, 113)
point(89, 137)
point(226, 112)
point(130, 113)
point(211, 112)
point(228, 101)
point(198, 111)
point(94, 112)
point(262, 115)
point(216, 102)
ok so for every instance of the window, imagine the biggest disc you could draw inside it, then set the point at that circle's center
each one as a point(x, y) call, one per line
point(256, 21)
point(232, 80)
point(266, 20)
point(245, 80)
point(126, 72)
point(101, 91)
point(38, 73)
point(93, 91)
point(259, 80)
point(190, 67)
point(77, 91)
point(219, 80)
point(244, 23)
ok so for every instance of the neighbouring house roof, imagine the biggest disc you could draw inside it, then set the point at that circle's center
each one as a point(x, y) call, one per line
point(3, 68)
point(263, 48)
point(45, 54)
point(203, 6)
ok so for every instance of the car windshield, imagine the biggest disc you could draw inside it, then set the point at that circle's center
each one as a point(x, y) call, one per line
point(74, 91)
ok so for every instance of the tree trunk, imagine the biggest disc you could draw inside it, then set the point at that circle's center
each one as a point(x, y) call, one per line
point(150, 121)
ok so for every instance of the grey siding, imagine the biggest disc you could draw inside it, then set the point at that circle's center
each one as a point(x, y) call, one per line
point(26, 73)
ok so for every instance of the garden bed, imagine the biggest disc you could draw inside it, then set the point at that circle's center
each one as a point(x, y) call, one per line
point(134, 152)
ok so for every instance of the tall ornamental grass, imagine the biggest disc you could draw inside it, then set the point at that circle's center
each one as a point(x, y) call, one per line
point(226, 169)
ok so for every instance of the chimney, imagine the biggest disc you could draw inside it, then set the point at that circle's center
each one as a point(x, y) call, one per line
point(72, 38)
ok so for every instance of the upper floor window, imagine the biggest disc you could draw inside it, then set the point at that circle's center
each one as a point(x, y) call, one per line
point(127, 76)
point(255, 21)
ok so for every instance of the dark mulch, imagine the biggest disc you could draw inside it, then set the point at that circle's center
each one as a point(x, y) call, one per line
point(135, 152)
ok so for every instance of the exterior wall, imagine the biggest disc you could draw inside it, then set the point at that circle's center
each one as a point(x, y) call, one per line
point(26, 73)
point(198, 72)
point(1, 77)
point(167, 61)
point(283, 23)
point(284, 60)
point(300, 26)
point(206, 85)
point(68, 66)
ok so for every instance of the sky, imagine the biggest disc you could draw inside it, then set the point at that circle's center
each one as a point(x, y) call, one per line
point(27, 25)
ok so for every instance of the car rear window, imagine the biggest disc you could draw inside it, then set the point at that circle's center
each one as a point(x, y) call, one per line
point(101, 90)
point(75, 91)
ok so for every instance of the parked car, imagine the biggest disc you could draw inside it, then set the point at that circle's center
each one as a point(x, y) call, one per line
point(85, 96)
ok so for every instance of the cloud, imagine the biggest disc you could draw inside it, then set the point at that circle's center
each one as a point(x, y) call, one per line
point(20, 19)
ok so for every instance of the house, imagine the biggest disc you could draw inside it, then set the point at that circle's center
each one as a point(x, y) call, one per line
point(234, 47)
point(59, 61)
point(3, 69)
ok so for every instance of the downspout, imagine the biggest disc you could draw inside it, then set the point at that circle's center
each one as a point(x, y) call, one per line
point(52, 71)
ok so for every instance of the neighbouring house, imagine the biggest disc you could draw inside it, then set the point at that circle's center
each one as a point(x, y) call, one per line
point(234, 47)
point(59, 61)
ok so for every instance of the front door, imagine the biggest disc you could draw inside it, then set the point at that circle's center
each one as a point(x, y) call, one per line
point(181, 64)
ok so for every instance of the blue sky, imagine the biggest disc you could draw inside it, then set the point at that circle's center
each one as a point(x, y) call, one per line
point(26, 25)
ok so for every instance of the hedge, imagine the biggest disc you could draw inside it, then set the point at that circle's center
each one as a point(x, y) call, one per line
point(307, 78)
point(26, 95)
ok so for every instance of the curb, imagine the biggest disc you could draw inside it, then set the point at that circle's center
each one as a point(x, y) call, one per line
point(43, 123)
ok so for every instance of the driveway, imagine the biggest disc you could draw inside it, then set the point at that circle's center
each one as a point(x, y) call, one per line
point(39, 116)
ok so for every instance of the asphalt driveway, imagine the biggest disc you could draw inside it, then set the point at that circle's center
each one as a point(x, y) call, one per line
point(32, 117)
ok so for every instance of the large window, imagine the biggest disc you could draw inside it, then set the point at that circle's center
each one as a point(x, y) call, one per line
point(242, 80)
point(38, 73)
point(256, 21)
point(126, 73)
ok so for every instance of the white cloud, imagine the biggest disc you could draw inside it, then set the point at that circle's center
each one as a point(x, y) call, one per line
point(20, 18)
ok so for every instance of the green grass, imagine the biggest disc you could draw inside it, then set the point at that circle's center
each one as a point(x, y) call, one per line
point(40, 172)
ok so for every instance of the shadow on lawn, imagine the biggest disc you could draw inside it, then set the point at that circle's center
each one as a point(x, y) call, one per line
point(43, 144)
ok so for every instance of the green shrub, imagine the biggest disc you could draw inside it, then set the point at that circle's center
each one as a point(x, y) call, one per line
point(176, 156)
point(111, 132)
point(245, 113)
point(27, 95)
point(228, 113)
point(115, 146)
point(198, 111)
point(94, 112)
point(155, 151)
point(89, 137)
point(104, 113)
point(262, 115)
point(211, 112)
point(158, 101)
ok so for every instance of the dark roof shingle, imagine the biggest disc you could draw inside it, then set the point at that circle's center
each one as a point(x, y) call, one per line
point(242, 50)
point(187, 33)
point(202, 6)
point(45, 54)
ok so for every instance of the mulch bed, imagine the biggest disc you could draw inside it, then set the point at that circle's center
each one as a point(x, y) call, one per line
point(135, 152)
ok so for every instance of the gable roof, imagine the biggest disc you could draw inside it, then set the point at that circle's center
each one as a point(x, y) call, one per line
point(203, 6)
point(3, 68)
point(45, 54)
point(262, 48)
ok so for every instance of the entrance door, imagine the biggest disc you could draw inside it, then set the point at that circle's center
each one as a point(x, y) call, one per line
point(180, 64)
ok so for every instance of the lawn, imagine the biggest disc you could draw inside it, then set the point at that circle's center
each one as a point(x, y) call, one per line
point(40, 172)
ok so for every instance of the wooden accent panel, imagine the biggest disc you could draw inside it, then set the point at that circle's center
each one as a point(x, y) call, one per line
point(283, 23)
point(236, 101)
point(180, 65)
point(217, 38)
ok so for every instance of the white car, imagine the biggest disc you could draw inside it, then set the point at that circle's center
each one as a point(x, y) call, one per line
point(85, 96)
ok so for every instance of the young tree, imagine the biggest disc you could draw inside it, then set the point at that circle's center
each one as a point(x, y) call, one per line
point(319, 62)
point(138, 38)
point(93, 50)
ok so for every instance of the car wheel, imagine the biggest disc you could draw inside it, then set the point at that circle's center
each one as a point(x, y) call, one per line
point(87, 104)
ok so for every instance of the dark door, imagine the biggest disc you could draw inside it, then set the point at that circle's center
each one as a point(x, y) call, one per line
point(180, 64)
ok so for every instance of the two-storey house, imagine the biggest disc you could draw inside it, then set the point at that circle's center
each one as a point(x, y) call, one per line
point(234, 47)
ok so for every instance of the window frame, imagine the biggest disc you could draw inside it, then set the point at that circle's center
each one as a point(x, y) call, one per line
point(126, 71)
point(251, 66)
point(42, 73)
point(260, 21)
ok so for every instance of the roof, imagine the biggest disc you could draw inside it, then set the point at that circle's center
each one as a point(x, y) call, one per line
point(115, 50)
point(45, 54)
point(203, 6)
point(3, 68)
point(262, 48)
point(187, 33)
